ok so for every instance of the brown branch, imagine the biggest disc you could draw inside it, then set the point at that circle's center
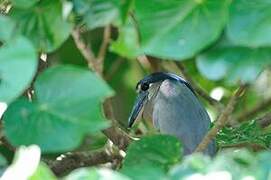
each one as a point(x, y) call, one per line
point(119, 138)
point(254, 111)
point(197, 88)
point(85, 51)
point(253, 146)
point(75, 160)
point(113, 69)
point(3, 140)
point(115, 134)
point(265, 120)
point(102, 51)
point(221, 121)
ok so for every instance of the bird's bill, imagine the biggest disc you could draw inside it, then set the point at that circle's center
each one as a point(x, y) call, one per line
point(140, 101)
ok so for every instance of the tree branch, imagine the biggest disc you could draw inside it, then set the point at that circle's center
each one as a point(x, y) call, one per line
point(221, 121)
point(85, 51)
point(115, 134)
point(102, 51)
point(3, 140)
point(265, 120)
point(198, 89)
point(113, 69)
point(71, 161)
point(254, 111)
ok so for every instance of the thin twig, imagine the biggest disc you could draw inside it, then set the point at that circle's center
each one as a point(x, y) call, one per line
point(103, 47)
point(253, 146)
point(115, 134)
point(198, 89)
point(221, 121)
point(119, 138)
point(85, 51)
point(151, 63)
point(113, 69)
point(3, 141)
point(71, 161)
point(254, 111)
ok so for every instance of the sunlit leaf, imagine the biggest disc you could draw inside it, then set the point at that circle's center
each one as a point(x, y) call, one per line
point(43, 172)
point(230, 164)
point(95, 174)
point(17, 169)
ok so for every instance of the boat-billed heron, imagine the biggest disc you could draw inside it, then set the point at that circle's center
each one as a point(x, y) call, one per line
point(172, 105)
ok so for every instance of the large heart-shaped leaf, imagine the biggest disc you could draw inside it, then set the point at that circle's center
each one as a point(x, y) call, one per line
point(97, 13)
point(151, 156)
point(234, 63)
point(66, 107)
point(43, 24)
point(249, 23)
point(18, 64)
point(179, 29)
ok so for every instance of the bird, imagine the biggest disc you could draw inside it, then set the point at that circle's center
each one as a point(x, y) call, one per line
point(172, 105)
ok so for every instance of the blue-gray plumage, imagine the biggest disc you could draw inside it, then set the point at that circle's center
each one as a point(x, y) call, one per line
point(172, 105)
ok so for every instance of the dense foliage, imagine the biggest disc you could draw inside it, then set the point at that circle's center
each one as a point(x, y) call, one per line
point(68, 69)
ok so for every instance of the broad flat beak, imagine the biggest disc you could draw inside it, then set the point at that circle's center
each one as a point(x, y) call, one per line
point(140, 101)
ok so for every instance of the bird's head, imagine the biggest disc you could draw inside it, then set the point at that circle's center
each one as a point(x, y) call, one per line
point(147, 88)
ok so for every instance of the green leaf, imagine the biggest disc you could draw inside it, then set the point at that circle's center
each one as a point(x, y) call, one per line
point(24, 3)
point(3, 164)
point(7, 32)
point(239, 163)
point(127, 44)
point(125, 7)
point(43, 172)
point(179, 29)
point(151, 156)
point(97, 13)
point(233, 63)
point(247, 133)
point(197, 163)
point(67, 106)
point(249, 23)
point(145, 171)
point(18, 64)
point(230, 164)
point(264, 165)
point(95, 174)
point(43, 24)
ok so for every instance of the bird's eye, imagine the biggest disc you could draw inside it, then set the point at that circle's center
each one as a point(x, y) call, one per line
point(144, 87)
